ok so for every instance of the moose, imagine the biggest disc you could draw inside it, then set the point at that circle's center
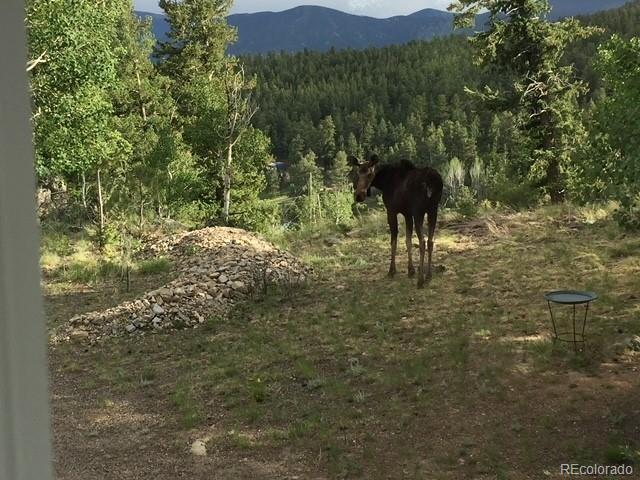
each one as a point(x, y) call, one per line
point(407, 190)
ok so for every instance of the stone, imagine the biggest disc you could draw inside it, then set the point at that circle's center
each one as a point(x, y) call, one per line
point(199, 448)
point(214, 270)
point(165, 292)
point(633, 343)
point(79, 334)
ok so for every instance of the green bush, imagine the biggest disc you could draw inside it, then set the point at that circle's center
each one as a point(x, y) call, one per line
point(337, 206)
point(628, 214)
point(517, 195)
point(195, 214)
point(266, 215)
point(466, 202)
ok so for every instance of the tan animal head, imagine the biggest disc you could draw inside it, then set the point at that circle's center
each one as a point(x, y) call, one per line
point(364, 173)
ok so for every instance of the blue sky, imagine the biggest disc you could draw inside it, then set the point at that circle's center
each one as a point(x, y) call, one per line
point(374, 8)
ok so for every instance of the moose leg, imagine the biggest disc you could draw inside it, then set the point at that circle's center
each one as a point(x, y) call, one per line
point(408, 220)
point(432, 219)
point(393, 228)
point(419, 221)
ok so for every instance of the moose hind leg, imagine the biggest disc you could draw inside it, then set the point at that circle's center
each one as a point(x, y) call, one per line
point(420, 231)
point(432, 219)
point(409, 227)
point(393, 228)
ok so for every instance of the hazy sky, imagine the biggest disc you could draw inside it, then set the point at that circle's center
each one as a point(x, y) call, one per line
point(374, 8)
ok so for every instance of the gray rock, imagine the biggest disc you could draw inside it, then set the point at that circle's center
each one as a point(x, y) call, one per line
point(633, 343)
point(78, 334)
point(165, 292)
point(223, 279)
point(130, 328)
point(157, 309)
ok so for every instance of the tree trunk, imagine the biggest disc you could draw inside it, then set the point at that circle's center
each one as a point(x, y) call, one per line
point(144, 110)
point(101, 210)
point(556, 189)
point(312, 216)
point(227, 184)
point(141, 205)
point(84, 191)
point(554, 180)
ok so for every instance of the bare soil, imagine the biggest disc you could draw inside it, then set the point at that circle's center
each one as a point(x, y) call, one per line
point(359, 376)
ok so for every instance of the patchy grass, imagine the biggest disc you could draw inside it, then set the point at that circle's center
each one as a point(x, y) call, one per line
point(154, 266)
point(358, 376)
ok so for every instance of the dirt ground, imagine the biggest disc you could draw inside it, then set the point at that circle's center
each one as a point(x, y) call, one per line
point(358, 376)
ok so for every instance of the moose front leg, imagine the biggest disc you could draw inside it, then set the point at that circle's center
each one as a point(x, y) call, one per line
point(432, 219)
point(393, 228)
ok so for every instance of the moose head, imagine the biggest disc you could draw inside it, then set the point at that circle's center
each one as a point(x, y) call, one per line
point(364, 173)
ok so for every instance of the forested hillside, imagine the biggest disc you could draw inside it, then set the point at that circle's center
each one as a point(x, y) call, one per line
point(180, 129)
point(369, 95)
point(408, 102)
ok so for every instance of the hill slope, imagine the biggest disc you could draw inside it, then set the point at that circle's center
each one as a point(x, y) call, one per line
point(319, 28)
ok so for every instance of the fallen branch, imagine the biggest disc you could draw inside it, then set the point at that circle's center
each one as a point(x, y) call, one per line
point(32, 63)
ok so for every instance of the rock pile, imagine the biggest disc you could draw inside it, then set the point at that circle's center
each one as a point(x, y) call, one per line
point(215, 268)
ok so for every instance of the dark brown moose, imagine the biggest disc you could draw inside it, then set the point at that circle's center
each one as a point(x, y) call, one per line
point(407, 190)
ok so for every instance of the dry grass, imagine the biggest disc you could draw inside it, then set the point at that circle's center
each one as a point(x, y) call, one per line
point(358, 376)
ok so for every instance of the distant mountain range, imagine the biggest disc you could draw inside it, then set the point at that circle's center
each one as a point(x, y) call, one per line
point(319, 28)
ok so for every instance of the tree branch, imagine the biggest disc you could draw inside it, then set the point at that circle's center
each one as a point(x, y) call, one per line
point(31, 64)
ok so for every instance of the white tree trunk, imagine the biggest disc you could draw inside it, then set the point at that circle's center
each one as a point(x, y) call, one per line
point(144, 110)
point(227, 183)
point(101, 209)
point(84, 191)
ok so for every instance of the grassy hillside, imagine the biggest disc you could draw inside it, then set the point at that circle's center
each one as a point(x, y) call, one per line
point(359, 376)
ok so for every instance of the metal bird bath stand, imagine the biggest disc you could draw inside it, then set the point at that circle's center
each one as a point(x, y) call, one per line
point(572, 298)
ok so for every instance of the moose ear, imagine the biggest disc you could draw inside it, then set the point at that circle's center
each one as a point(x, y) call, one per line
point(374, 160)
point(353, 161)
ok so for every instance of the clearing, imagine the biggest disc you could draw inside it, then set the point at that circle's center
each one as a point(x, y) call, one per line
point(354, 375)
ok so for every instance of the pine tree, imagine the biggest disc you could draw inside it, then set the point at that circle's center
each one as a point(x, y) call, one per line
point(213, 98)
point(339, 173)
point(520, 41)
point(353, 148)
point(306, 173)
point(142, 116)
point(327, 140)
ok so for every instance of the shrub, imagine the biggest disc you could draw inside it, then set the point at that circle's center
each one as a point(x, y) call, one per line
point(628, 214)
point(466, 202)
point(267, 214)
point(336, 206)
point(517, 195)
